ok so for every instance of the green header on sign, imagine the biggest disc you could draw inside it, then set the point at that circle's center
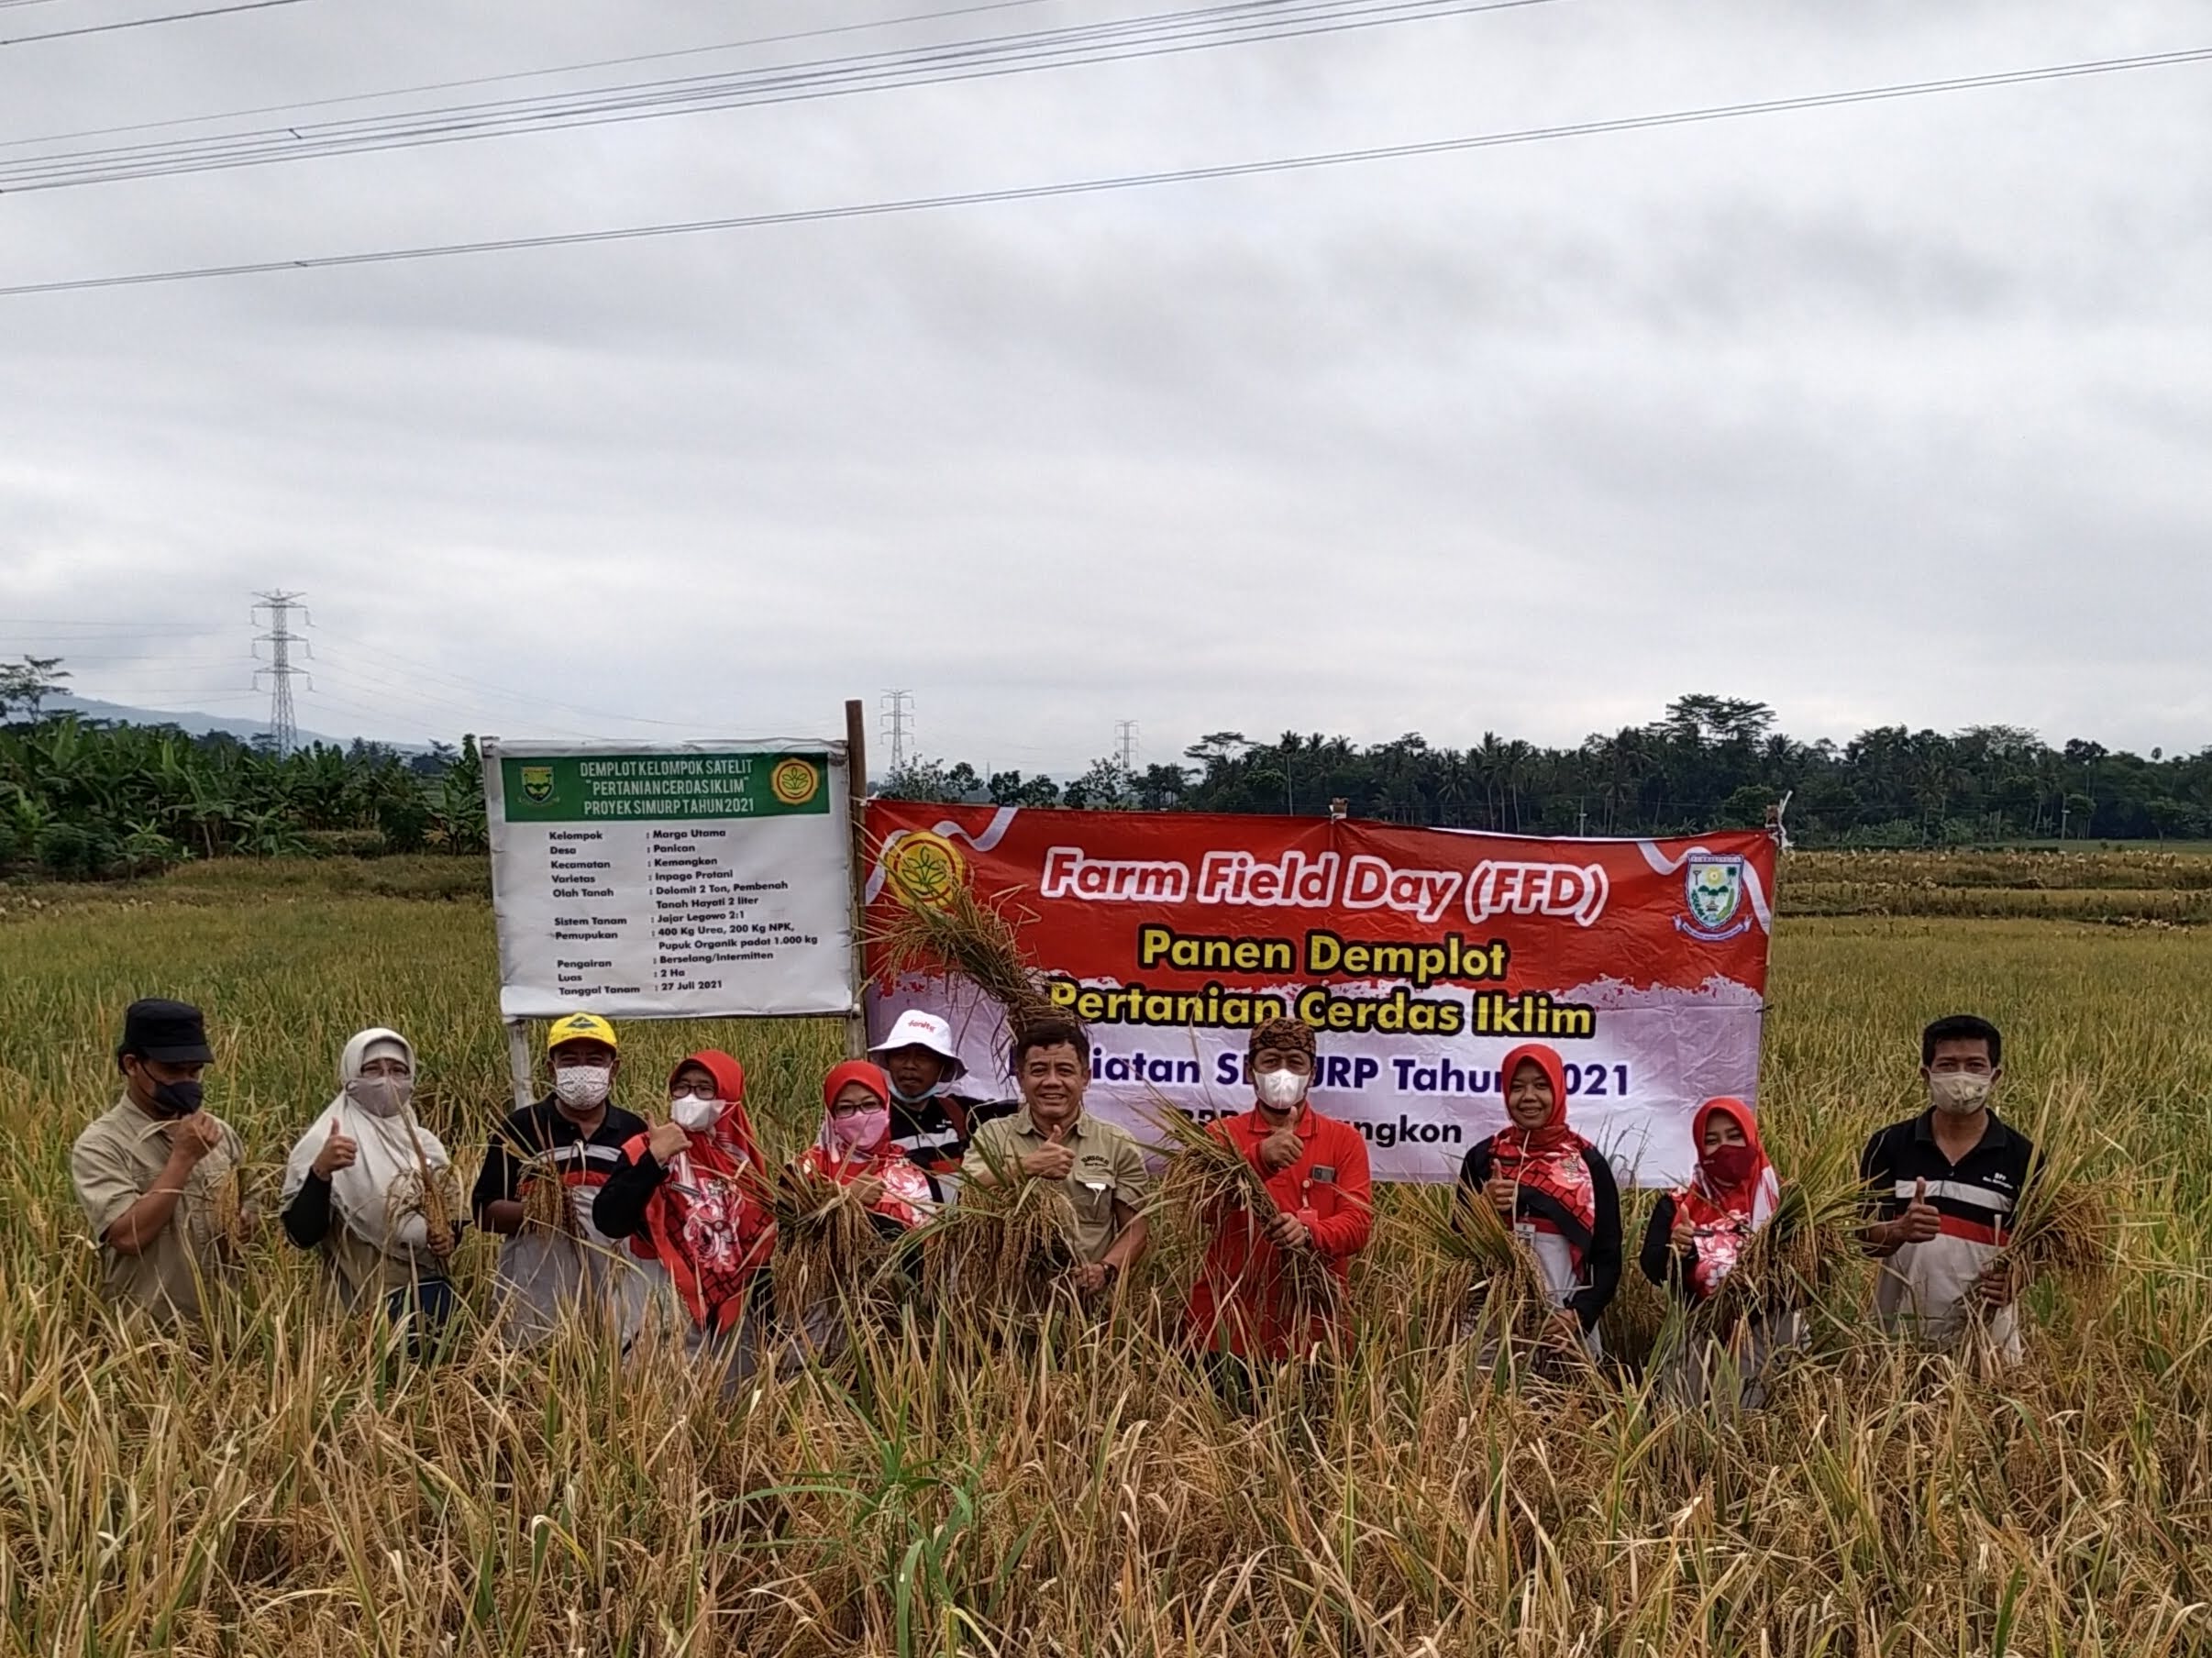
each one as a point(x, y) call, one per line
point(583, 788)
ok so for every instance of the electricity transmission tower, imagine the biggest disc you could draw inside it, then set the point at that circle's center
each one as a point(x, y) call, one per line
point(897, 724)
point(1125, 732)
point(283, 725)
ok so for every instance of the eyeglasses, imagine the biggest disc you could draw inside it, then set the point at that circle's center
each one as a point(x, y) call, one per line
point(695, 1090)
point(845, 1109)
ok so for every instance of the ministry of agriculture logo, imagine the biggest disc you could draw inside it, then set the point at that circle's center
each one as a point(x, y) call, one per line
point(1713, 889)
point(794, 781)
point(537, 784)
point(923, 868)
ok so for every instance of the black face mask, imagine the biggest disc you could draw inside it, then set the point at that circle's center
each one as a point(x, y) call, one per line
point(176, 1099)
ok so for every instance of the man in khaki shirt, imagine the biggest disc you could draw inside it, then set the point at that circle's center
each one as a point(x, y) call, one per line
point(147, 1170)
point(1101, 1166)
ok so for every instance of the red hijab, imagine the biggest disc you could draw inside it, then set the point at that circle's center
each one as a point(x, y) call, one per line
point(1725, 1214)
point(704, 1221)
point(907, 1194)
point(728, 1144)
point(1548, 1157)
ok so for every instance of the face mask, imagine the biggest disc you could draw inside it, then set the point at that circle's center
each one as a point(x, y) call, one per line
point(1729, 1165)
point(904, 1098)
point(694, 1115)
point(861, 1129)
point(381, 1096)
point(582, 1088)
point(1960, 1093)
point(176, 1099)
point(1279, 1090)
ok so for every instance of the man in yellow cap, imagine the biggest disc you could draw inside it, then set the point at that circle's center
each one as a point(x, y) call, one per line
point(551, 1256)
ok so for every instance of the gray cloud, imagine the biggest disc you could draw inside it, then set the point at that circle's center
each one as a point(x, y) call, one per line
point(1895, 413)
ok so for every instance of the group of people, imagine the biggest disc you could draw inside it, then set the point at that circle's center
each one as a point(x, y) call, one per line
point(603, 1214)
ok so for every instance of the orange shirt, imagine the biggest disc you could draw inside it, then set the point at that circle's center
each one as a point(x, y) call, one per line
point(1237, 1303)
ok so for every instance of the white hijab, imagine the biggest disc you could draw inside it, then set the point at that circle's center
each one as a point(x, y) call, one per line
point(387, 1148)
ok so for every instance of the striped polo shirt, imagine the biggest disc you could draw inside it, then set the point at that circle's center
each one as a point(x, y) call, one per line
point(1922, 1288)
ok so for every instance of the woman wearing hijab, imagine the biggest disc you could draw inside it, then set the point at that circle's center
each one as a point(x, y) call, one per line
point(855, 1148)
point(1556, 1191)
point(1696, 1236)
point(355, 1188)
point(686, 1189)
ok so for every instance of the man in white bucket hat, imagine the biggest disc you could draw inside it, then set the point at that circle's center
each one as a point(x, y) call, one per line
point(930, 1121)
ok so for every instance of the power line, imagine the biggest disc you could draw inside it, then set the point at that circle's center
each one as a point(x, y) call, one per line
point(1093, 186)
point(518, 75)
point(104, 28)
point(1243, 22)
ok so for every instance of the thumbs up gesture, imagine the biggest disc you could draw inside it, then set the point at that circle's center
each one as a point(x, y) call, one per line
point(1919, 1221)
point(338, 1152)
point(1054, 1161)
point(1279, 1150)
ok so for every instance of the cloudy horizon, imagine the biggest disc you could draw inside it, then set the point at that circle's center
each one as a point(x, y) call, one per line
point(1886, 414)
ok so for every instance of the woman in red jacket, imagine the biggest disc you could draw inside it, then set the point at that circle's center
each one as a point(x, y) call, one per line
point(1244, 1303)
point(686, 1190)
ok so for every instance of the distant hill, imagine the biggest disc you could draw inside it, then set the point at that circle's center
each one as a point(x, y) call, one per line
point(197, 725)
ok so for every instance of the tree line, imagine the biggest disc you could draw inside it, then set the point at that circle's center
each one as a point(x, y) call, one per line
point(87, 799)
point(1710, 762)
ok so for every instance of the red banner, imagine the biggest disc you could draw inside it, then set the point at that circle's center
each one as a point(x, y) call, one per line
point(1419, 957)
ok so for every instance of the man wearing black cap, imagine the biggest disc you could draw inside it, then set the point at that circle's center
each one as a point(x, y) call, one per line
point(147, 1170)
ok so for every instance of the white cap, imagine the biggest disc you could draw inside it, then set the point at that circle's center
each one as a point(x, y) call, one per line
point(915, 1029)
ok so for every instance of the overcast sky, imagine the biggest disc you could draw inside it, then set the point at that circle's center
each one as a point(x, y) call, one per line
point(1898, 411)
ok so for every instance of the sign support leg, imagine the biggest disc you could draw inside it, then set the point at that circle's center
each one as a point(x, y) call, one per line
point(855, 800)
point(518, 1061)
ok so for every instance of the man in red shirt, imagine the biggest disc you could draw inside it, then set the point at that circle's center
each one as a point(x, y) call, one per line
point(1246, 1301)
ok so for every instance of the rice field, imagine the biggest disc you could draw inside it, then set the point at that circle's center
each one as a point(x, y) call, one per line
point(290, 1486)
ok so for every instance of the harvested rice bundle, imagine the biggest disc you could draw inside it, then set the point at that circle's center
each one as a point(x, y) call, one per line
point(1794, 1261)
point(959, 934)
point(1207, 1176)
point(229, 1215)
point(2064, 1220)
point(548, 1203)
point(827, 1247)
point(1002, 1248)
point(1491, 1273)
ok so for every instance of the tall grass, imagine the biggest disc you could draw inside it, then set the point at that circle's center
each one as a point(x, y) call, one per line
point(291, 1484)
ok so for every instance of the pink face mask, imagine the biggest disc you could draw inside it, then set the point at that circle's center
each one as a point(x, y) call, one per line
point(861, 1129)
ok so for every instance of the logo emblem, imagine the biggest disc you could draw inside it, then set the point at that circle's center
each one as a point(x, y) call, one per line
point(537, 784)
point(923, 868)
point(795, 781)
point(1713, 887)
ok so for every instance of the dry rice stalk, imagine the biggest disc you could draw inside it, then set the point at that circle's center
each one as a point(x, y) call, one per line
point(1491, 1273)
point(965, 936)
point(1794, 1260)
point(1207, 1176)
point(1002, 1249)
point(548, 1205)
point(2064, 1220)
point(432, 1194)
point(827, 1248)
point(227, 1221)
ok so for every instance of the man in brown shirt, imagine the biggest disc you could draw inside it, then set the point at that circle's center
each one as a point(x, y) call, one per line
point(147, 1170)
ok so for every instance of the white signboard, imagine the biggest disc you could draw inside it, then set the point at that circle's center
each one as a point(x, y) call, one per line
point(670, 879)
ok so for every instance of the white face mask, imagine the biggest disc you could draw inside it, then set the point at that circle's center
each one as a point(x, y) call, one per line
point(582, 1088)
point(381, 1096)
point(1279, 1090)
point(1960, 1093)
point(692, 1114)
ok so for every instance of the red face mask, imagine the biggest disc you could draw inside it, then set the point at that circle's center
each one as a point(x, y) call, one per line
point(1729, 1165)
